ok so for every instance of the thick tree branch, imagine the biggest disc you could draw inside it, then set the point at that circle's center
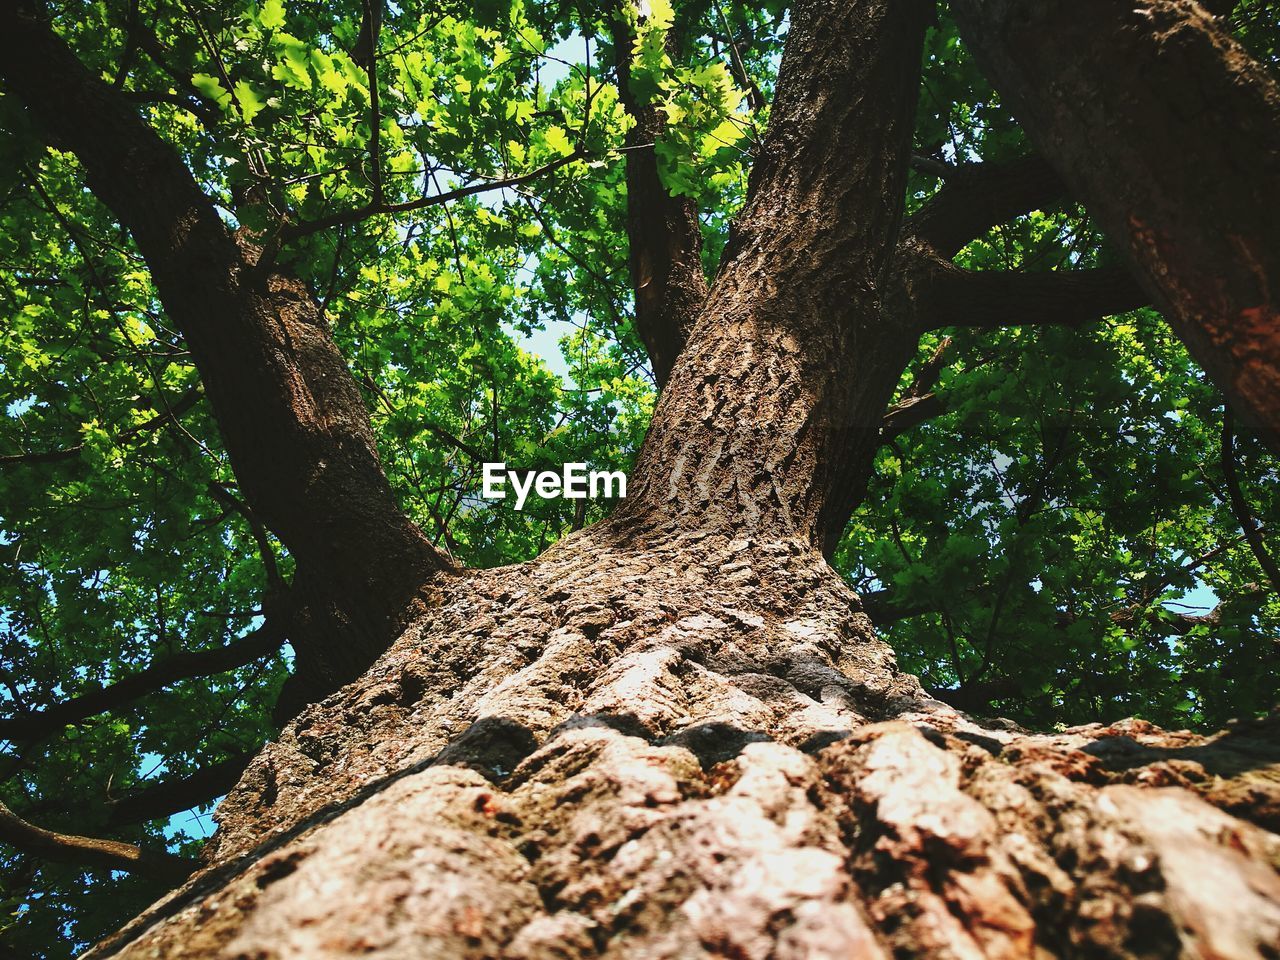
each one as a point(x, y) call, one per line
point(1240, 506)
point(293, 419)
point(164, 798)
point(771, 416)
point(919, 403)
point(930, 165)
point(910, 413)
point(1112, 94)
point(977, 197)
point(954, 297)
point(89, 851)
point(26, 727)
point(664, 235)
point(883, 609)
point(977, 695)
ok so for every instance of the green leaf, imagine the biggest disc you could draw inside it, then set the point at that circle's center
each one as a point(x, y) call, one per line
point(251, 103)
point(558, 141)
point(211, 88)
point(272, 14)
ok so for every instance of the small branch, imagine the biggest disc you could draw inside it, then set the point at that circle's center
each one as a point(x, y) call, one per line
point(442, 434)
point(24, 728)
point(1165, 621)
point(259, 531)
point(755, 99)
point(374, 23)
point(927, 378)
point(977, 197)
point(195, 107)
point(171, 413)
point(332, 286)
point(90, 851)
point(130, 46)
point(209, 113)
point(307, 227)
point(1240, 506)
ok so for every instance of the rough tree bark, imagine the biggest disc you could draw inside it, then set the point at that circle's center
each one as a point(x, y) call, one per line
point(1169, 132)
point(675, 734)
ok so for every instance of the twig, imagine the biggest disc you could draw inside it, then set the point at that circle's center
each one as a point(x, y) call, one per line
point(1240, 506)
point(307, 227)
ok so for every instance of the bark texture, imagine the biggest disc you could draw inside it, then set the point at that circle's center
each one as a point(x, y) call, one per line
point(1169, 132)
point(703, 751)
point(771, 418)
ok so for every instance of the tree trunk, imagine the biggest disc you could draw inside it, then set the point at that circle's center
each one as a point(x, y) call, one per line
point(1169, 132)
point(675, 734)
point(700, 749)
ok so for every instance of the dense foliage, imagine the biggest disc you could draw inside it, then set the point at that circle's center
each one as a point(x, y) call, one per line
point(1060, 542)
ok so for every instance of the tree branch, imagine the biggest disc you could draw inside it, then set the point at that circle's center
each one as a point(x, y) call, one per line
point(163, 799)
point(1166, 622)
point(373, 21)
point(89, 851)
point(454, 441)
point(1200, 231)
point(919, 403)
point(24, 728)
point(910, 413)
point(755, 98)
point(663, 232)
point(883, 610)
point(934, 167)
point(208, 111)
point(944, 295)
point(171, 413)
point(305, 228)
point(977, 197)
point(293, 419)
point(976, 695)
point(224, 496)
